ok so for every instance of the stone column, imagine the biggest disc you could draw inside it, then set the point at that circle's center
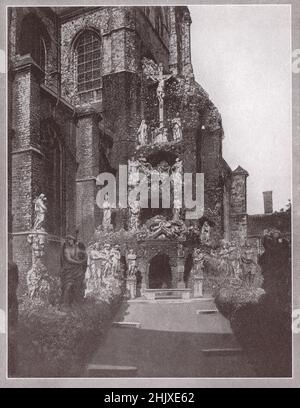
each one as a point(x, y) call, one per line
point(186, 43)
point(87, 147)
point(143, 269)
point(198, 272)
point(180, 269)
point(27, 158)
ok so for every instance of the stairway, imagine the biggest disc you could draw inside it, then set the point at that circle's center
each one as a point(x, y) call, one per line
point(169, 338)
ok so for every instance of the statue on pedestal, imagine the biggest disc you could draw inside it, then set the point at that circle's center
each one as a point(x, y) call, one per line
point(142, 133)
point(205, 233)
point(106, 260)
point(177, 185)
point(40, 210)
point(40, 285)
point(106, 222)
point(131, 262)
point(93, 275)
point(177, 129)
point(115, 260)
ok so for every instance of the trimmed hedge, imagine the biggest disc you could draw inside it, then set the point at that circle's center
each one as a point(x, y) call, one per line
point(52, 343)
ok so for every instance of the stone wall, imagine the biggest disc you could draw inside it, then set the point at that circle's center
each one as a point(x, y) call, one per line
point(115, 28)
point(36, 110)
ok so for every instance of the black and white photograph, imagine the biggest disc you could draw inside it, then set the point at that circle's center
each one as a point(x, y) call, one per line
point(150, 194)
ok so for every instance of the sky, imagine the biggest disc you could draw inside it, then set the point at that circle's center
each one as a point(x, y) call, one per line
point(241, 57)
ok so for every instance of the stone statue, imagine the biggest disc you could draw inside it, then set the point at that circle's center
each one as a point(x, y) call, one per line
point(106, 260)
point(160, 135)
point(205, 233)
point(93, 275)
point(106, 222)
point(134, 214)
point(143, 133)
point(198, 262)
point(115, 255)
point(72, 274)
point(162, 79)
point(177, 129)
point(177, 183)
point(133, 172)
point(131, 262)
point(180, 251)
point(40, 210)
point(177, 169)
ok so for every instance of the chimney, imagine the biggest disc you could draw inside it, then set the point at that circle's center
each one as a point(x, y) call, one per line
point(268, 202)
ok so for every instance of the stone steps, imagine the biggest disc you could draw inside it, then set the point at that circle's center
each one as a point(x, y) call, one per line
point(222, 352)
point(167, 297)
point(127, 325)
point(110, 371)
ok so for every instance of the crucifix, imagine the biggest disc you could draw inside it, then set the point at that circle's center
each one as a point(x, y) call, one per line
point(160, 91)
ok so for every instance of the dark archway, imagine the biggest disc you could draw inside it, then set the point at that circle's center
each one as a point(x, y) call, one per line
point(160, 274)
point(34, 39)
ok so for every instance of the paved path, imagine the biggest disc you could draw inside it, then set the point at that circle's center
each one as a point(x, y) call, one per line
point(173, 340)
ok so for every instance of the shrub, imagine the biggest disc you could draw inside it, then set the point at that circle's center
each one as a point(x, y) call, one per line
point(52, 343)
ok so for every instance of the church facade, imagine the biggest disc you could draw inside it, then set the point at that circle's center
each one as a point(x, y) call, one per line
point(93, 88)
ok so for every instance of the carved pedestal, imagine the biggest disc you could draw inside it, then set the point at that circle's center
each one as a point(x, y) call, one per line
point(131, 287)
point(39, 283)
point(198, 286)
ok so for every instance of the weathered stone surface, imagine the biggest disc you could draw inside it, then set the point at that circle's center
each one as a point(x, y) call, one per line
point(58, 147)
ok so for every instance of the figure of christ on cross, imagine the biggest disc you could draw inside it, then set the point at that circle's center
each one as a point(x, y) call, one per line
point(160, 91)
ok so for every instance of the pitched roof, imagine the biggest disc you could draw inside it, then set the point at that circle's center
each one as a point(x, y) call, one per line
point(240, 170)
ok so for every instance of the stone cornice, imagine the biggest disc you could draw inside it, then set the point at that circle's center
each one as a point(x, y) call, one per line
point(26, 63)
point(88, 111)
point(30, 149)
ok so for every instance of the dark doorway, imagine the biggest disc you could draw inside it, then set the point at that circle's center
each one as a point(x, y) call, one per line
point(187, 270)
point(160, 275)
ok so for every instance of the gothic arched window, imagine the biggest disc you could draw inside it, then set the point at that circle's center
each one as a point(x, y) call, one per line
point(33, 37)
point(88, 52)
